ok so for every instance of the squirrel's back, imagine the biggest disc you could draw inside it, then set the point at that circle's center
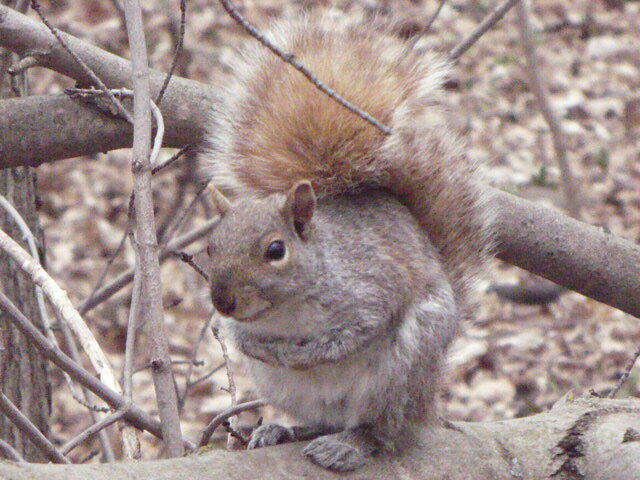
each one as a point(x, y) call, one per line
point(273, 128)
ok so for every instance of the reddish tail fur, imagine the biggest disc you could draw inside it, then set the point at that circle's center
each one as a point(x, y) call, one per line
point(273, 128)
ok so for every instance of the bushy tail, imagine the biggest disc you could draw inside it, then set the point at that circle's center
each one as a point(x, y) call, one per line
point(272, 128)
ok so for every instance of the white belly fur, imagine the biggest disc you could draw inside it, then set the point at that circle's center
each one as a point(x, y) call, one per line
point(341, 394)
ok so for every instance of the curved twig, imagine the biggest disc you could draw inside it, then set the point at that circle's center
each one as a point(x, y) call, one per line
point(222, 417)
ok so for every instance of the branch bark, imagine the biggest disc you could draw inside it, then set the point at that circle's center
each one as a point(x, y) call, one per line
point(526, 448)
point(152, 316)
point(570, 253)
point(46, 128)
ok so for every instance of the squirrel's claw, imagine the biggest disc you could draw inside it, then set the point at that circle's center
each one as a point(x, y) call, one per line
point(269, 435)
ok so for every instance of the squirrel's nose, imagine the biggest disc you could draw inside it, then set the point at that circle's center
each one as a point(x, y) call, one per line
point(223, 300)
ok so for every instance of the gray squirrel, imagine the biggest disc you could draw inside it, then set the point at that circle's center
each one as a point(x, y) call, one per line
point(344, 258)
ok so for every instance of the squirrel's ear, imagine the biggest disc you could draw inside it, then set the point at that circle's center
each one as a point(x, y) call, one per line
point(299, 207)
point(220, 201)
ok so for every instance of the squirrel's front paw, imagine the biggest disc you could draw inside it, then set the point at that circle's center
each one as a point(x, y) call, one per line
point(332, 452)
point(268, 435)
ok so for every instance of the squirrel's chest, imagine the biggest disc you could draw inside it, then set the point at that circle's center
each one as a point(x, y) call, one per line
point(342, 394)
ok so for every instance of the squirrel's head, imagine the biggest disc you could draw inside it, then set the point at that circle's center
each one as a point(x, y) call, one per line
point(261, 252)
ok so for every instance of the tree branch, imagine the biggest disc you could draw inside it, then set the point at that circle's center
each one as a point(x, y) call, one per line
point(47, 128)
point(133, 414)
point(30, 430)
point(152, 315)
point(506, 450)
point(570, 253)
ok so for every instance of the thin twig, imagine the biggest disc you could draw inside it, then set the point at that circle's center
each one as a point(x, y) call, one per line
point(570, 185)
point(291, 60)
point(92, 431)
point(188, 259)
point(124, 278)
point(174, 226)
point(10, 452)
point(231, 443)
point(29, 430)
point(23, 65)
point(194, 354)
point(172, 159)
point(625, 375)
point(207, 375)
point(218, 419)
point(131, 442)
point(234, 433)
point(176, 54)
point(433, 18)
point(94, 78)
point(106, 268)
point(493, 18)
point(195, 363)
point(416, 38)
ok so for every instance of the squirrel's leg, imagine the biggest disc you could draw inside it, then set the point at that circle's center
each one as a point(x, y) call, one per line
point(274, 434)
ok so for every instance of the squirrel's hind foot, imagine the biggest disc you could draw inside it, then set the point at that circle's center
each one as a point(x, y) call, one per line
point(344, 451)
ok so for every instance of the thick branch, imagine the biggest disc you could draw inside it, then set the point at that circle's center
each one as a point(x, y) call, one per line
point(507, 450)
point(570, 253)
point(76, 129)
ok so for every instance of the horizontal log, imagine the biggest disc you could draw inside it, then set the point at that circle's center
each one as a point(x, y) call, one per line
point(528, 448)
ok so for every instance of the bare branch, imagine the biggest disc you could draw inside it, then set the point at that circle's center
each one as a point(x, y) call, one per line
point(570, 185)
point(625, 374)
point(192, 361)
point(176, 54)
point(94, 78)
point(131, 443)
point(188, 259)
point(46, 128)
point(63, 308)
point(31, 241)
point(491, 19)
point(291, 60)
point(570, 253)
point(92, 431)
point(10, 452)
point(126, 277)
point(232, 441)
point(133, 414)
point(146, 235)
point(434, 17)
point(222, 417)
point(30, 431)
point(172, 159)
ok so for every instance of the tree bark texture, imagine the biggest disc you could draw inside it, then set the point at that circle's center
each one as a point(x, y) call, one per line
point(23, 371)
point(586, 439)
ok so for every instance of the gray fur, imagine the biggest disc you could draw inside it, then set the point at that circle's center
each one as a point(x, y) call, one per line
point(352, 325)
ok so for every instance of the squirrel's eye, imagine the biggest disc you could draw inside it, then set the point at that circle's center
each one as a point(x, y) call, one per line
point(275, 250)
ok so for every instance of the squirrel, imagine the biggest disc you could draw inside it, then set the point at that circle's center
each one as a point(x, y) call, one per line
point(344, 258)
